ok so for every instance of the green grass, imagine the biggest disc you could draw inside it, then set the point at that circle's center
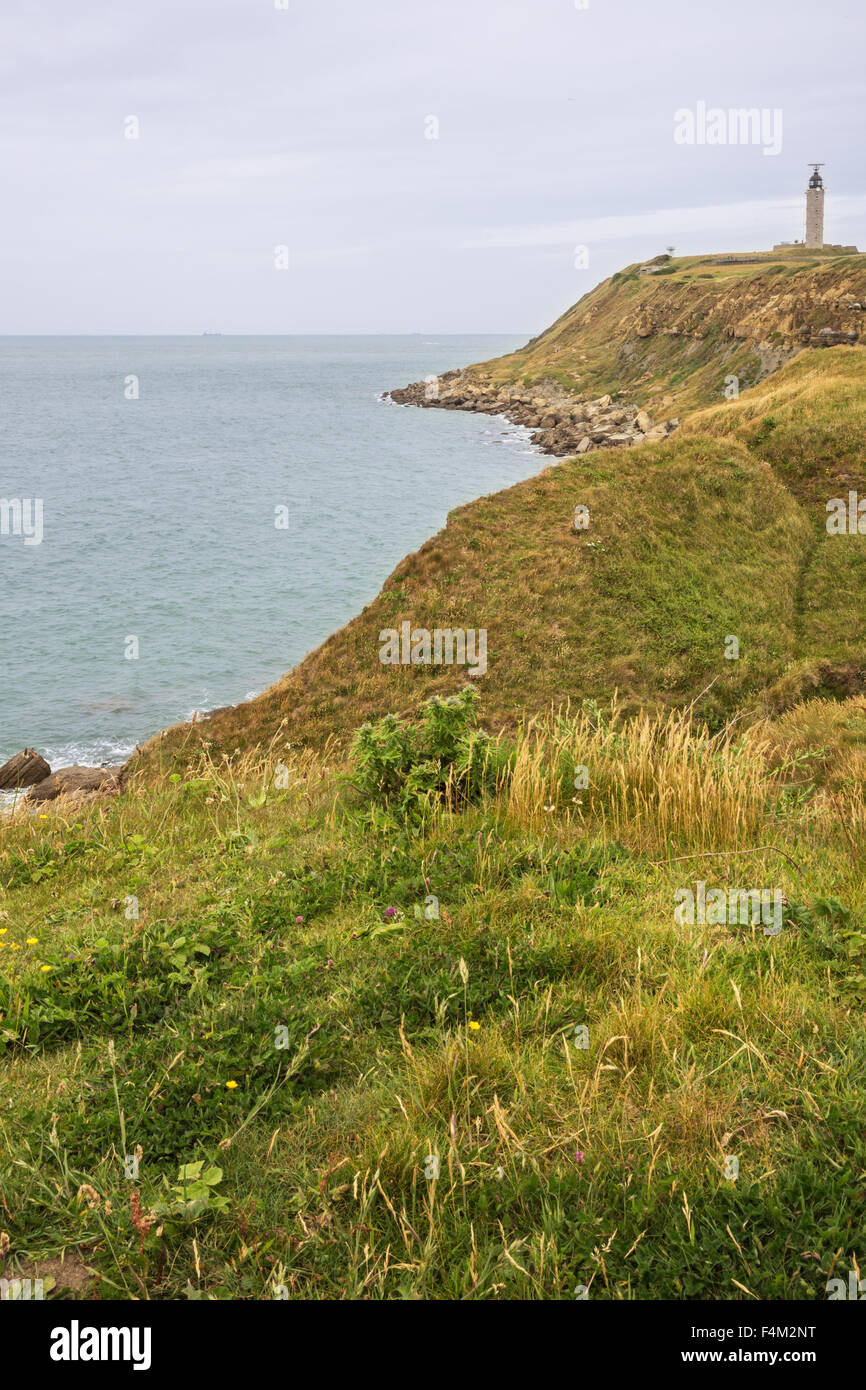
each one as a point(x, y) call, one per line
point(263, 915)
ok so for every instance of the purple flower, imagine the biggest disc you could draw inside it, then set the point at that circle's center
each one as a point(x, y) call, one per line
point(580, 1156)
point(299, 919)
point(390, 912)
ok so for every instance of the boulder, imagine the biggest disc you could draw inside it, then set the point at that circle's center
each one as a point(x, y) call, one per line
point(585, 443)
point(643, 422)
point(24, 770)
point(74, 781)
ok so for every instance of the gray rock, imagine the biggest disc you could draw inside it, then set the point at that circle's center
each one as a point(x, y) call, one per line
point(24, 770)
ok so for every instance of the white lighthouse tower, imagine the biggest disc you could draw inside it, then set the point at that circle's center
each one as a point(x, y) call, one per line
point(815, 209)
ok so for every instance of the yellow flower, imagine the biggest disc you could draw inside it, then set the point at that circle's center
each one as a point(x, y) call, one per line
point(231, 1085)
point(43, 968)
point(33, 941)
point(13, 947)
point(3, 931)
point(473, 1025)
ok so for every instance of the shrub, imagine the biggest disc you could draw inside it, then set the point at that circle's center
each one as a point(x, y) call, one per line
point(441, 757)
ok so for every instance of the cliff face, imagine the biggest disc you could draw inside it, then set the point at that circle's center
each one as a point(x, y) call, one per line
point(659, 340)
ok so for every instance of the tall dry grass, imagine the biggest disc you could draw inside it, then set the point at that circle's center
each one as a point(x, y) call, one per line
point(652, 779)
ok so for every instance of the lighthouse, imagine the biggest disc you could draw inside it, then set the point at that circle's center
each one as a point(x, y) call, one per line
point(815, 209)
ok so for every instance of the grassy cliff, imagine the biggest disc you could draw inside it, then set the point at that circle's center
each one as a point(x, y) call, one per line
point(718, 532)
point(673, 335)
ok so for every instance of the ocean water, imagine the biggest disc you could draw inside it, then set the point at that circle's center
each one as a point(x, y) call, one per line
point(158, 515)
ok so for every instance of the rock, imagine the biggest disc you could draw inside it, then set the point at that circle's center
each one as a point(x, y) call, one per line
point(24, 770)
point(74, 781)
point(603, 400)
point(643, 422)
point(585, 443)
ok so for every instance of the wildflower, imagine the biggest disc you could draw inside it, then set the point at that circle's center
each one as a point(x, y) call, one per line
point(33, 941)
point(389, 913)
point(13, 946)
point(580, 1156)
point(44, 968)
point(299, 920)
point(141, 1223)
point(231, 1085)
point(473, 1025)
point(3, 931)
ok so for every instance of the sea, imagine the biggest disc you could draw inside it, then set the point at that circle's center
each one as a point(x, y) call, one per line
point(183, 519)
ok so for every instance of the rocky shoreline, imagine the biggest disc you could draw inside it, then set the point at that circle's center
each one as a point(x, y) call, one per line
point(561, 424)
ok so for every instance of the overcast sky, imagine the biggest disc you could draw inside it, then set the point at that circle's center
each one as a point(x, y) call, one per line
point(307, 127)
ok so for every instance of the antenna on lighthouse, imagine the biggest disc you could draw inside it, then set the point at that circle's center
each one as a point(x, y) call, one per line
point(816, 181)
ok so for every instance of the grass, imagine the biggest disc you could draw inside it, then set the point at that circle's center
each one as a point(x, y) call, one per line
point(276, 905)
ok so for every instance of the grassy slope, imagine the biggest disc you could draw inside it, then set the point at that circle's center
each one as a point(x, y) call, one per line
point(717, 532)
point(559, 1166)
point(704, 321)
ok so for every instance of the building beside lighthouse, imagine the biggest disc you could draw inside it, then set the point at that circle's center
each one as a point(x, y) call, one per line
point(815, 210)
point(815, 221)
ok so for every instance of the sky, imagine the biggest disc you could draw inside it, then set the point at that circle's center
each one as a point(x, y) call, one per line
point(467, 166)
